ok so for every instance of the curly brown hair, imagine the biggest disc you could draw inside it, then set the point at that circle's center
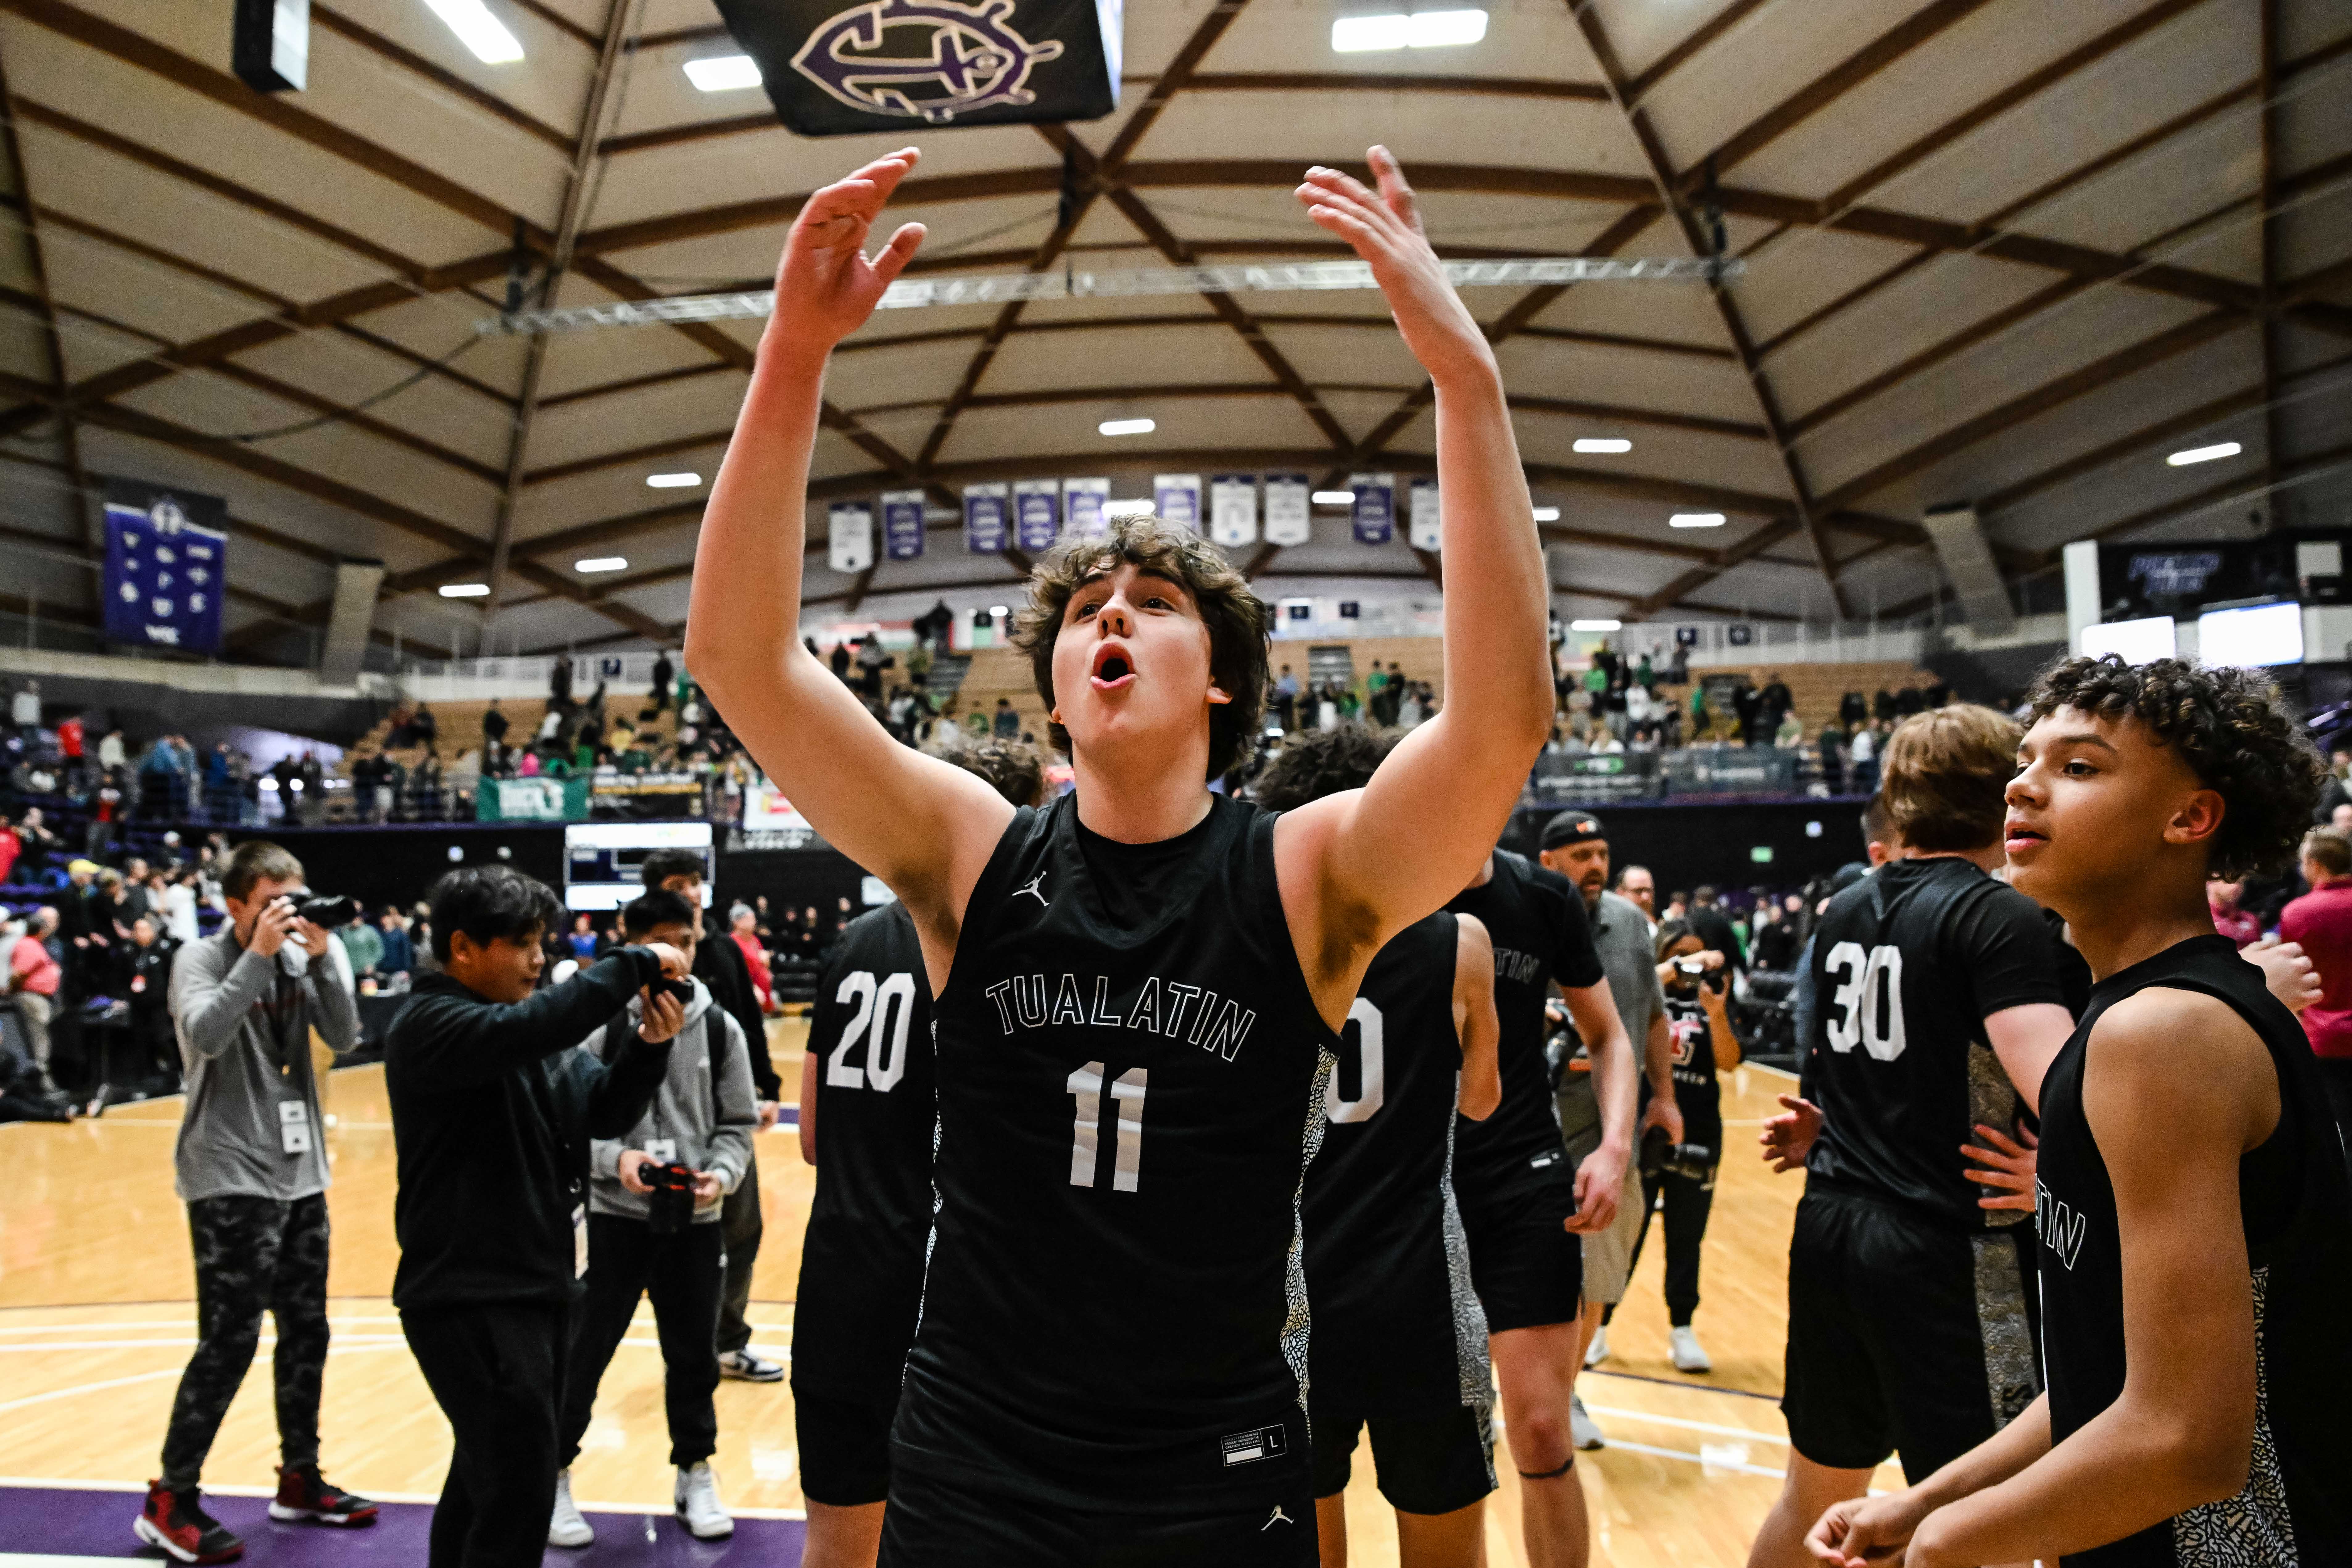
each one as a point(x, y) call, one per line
point(1010, 768)
point(2232, 729)
point(1320, 763)
point(1237, 620)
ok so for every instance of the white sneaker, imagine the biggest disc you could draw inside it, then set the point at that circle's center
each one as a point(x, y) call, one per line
point(1688, 1354)
point(565, 1526)
point(1598, 1350)
point(698, 1507)
point(1582, 1429)
point(745, 1367)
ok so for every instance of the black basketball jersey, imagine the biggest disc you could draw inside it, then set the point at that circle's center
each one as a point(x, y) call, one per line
point(1698, 1094)
point(2293, 1203)
point(1398, 1331)
point(1540, 934)
point(1907, 964)
point(862, 1262)
point(1131, 1074)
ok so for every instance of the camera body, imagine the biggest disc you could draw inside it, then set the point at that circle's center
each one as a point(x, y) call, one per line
point(681, 989)
point(327, 909)
point(669, 1203)
point(1660, 1155)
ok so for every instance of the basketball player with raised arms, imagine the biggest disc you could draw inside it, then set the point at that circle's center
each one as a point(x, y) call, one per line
point(1138, 990)
point(1400, 1343)
point(868, 1108)
point(2195, 1225)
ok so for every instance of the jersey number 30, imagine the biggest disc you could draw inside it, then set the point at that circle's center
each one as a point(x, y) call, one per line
point(1868, 1000)
point(885, 1051)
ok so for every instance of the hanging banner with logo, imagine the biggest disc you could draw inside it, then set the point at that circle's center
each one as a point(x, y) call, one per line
point(1037, 514)
point(902, 523)
point(1177, 498)
point(833, 69)
point(849, 542)
point(1081, 508)
point(540, 799)
point(1375, 508)
point(1289, 508)
point(166, 567)
point(1233, 510)
point(1421, 527)
point(986, 529)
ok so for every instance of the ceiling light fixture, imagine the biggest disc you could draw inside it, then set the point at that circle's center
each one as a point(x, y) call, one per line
point(1126, 427)
point(602, 563)
point(1546, 514)
point(1596, 625)
point(999, 611)
point(1335, 498)
point(1603, 444)
point(2204, 454)
point(673, 481)
point(464, 590)
point(1695, 519)
point(1420, 31)
point(479, 31)
point(723, 73)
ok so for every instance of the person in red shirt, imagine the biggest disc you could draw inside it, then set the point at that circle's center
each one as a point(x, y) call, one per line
point(33, 976)
point(2321, 921)
point(2231, 918)
point(10, 847)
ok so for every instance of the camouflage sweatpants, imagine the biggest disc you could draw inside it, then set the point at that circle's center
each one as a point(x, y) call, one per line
point(253, 1255)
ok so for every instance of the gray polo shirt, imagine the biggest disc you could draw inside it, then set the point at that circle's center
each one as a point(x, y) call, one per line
point(1621, 935)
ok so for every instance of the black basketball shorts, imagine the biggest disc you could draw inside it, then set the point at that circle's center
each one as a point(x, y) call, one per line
point(1425, 1464)
point(1903, 1336)
point(1525, 1266)
point(845, 1448)
point(934, 1521)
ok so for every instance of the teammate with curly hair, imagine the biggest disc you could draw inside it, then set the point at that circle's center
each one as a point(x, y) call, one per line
point(1139, 988)
point(2194, 1219)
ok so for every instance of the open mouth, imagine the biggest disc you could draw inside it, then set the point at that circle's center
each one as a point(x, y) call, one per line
point(2017, 836)
point(1112, 669)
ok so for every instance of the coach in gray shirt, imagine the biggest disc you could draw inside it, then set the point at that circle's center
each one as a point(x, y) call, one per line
point(1576, 845)
point(252, 1168)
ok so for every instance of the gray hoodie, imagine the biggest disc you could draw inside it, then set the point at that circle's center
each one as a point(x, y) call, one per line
point(243, 1023)
point(682, 1112)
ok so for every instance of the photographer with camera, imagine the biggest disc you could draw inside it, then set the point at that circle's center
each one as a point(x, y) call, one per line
point(251, 1165)
point(653, 1229)
point(492, 1110)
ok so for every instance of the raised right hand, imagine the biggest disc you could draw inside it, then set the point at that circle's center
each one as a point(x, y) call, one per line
point(1789, 1136)
point(663, 1018)
point(631, 1159)
point(826, 287)
point(1384, 228)
point(272, 926)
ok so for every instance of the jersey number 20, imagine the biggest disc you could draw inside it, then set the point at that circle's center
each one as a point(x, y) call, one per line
point(878, 1006)
point(1869, 1000)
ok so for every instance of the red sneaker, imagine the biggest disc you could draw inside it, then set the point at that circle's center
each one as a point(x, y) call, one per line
point(175, 1522)
point(305, 1496)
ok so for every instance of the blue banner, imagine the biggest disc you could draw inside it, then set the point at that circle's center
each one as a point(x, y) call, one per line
point(1375, 507)
point(166, 567)
point(902, 523)
point(1037, 514)
point(986, 531)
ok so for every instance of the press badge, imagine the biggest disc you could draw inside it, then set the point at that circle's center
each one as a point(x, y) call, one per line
point(662, 1150)
point(579, 1240)
point(294, 1126)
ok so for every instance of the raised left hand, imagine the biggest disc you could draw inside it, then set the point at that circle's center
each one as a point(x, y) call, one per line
point(1384, 228)
point(313, 936)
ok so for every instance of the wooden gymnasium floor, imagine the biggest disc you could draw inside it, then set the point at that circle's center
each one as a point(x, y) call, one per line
point(97, 1317)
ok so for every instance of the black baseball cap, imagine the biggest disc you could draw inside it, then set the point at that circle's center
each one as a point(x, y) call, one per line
point(1572, 827)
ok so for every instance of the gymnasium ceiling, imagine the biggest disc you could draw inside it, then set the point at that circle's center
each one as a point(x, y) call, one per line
point(1999, 251)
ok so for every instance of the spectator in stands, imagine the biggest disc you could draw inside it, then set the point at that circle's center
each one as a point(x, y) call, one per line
point(1774, 702)
point(2321, 921)
point(2230, 918)
point(24, 710)
point(2340, 819)
point(146, 982)
point(1714, 927)
point(35, 976)
point(1908, 701)
point(1639, 888)
point(1861, 758)
point(362, 945)
point(11, 846)
point(391, 930)
point(1679, 667)
point(582, 938)
point(1008, 722)
point(1702, 722)
point(41, 845)
point(1777, 934)
point(494, 726)
point(744, 930)
point(1677, 908)
point(1286, 700)
point(838, 660)
point(719, 964)
point(1832, 747)
point(664, 673)
point(181, 895)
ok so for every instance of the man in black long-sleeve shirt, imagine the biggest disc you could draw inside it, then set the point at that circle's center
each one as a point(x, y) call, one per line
point(491, 1112)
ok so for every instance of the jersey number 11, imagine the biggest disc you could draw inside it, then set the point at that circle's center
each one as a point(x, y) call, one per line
point(1085, 1086)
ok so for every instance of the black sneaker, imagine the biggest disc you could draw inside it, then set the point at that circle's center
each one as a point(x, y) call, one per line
point(176, 1523)
point(305, 1497)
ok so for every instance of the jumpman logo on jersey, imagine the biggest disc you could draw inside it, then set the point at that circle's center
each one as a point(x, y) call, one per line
point(1277, 1517)
point(1031, 891)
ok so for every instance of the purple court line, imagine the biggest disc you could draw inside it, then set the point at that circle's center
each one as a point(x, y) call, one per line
point(74, 1522)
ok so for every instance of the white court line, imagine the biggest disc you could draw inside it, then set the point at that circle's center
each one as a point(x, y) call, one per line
point(1740, 1466)
point(1676, 1421)
point(54, 1559)
point(139, 1489)
point(83, 1388)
